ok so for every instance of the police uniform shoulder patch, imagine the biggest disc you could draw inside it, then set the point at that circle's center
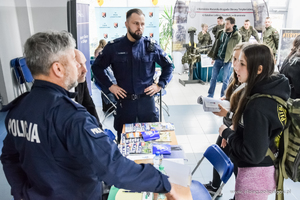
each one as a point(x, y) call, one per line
point(94, 131)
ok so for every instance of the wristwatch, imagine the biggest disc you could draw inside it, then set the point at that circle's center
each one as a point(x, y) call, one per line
point(229, 115)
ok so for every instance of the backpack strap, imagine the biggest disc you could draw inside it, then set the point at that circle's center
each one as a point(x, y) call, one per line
point(279, 164)
point(276, 98)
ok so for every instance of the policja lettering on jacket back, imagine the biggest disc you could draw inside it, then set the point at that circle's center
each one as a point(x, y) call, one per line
point(30, 132)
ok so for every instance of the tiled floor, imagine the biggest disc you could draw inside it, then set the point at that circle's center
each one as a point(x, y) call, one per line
point(195, 131)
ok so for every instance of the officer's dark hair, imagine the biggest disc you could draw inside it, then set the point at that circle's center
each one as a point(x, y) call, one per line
point(220, 17)
point(44, 48)
point(136, 11)
point(231, 19)
point(247, 20)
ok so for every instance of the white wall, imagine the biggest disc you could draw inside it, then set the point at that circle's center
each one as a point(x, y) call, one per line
point(293, 15)
point(19, 19)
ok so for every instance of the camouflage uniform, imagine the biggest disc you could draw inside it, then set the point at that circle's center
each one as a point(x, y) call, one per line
point(246, 34)
point(204, 39)
point(216, 29)
point(270, 38)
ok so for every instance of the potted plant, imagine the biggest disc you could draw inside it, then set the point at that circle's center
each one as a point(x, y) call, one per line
point(165, 26)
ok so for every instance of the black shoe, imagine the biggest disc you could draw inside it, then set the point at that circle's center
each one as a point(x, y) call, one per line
point(211, 189)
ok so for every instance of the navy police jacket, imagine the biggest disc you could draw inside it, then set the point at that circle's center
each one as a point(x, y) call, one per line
point(54, 149)
point(133, 64)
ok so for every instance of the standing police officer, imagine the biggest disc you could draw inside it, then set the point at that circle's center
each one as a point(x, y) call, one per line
point(132, 59)
point(54, 149)
point(270, 36)
point(247, 31)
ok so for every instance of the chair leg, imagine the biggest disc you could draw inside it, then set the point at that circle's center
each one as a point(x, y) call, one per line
point(218, 191)
point(109, 111)
point(200, 161)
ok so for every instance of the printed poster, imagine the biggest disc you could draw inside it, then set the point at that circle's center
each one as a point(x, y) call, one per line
point(286, 39)
point(111, 22)
point(83, 38)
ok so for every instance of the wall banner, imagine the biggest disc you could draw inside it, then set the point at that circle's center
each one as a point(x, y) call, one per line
point(197, 13)
point(111, 22)
point(83, 40)
point(286, 38)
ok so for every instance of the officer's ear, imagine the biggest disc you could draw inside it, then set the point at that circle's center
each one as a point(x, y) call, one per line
point(58, 69)
point(126, 24)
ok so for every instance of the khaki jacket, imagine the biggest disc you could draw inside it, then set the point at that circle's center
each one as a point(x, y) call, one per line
point(246, 34)
point(271, 38)
point(235, 39)
point(204, 39)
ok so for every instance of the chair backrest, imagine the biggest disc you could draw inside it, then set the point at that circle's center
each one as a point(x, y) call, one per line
point(220, 161)
point(14, 63)
point(24, 71)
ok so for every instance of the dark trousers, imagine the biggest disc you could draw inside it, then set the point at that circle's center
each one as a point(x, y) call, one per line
point(132, 111)
point(216, 182)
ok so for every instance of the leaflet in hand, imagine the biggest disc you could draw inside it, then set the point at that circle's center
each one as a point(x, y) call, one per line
point(211, 104)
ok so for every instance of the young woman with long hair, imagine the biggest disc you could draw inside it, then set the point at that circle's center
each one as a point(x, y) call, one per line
point(257, 124)
point(233, 93)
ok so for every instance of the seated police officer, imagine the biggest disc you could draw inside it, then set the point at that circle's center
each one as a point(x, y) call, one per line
point(132, 59)
point(54, 149)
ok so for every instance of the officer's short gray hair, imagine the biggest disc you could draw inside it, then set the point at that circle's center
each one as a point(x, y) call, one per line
point(44, 48)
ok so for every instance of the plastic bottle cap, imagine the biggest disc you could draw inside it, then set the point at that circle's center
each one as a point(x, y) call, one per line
point(157, 153)
point(161, 167)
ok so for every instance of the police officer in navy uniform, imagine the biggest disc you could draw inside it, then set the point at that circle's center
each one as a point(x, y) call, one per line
point(54, 149)
point(132, 59)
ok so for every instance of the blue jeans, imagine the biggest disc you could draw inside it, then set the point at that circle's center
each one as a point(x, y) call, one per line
point(215, 72)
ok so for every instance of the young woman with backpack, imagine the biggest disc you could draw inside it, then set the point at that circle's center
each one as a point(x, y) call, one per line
point(257, 124)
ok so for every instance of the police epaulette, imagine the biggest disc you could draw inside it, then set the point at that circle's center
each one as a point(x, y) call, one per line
point(114, 41)
point(150, 40)
point(76, 105)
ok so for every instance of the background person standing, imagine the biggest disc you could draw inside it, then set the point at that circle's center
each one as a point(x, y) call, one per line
point(221, 54)
point(219, 26)
point(247, 31)
point(270, 36)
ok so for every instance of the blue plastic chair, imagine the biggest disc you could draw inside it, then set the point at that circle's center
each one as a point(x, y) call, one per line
point(110, 110)
point(22, 74)
point(222, 164)
point(159, 100)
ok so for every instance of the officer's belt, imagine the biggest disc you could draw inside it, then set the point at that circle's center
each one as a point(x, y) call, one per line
point(134, 96)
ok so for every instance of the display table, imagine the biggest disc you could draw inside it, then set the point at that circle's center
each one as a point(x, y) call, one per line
point(183, 192)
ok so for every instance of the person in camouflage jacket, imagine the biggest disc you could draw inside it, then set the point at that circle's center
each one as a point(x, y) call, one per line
point(204, 38)
point(247, 31)
point(270, 36)
point(218, 27)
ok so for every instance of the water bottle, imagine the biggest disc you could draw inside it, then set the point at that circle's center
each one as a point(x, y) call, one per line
point(156, 160)
point(162, 195)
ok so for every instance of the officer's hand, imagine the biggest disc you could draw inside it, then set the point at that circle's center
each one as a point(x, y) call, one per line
point(153, 89)
point(176, 193)
point(117, 91)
